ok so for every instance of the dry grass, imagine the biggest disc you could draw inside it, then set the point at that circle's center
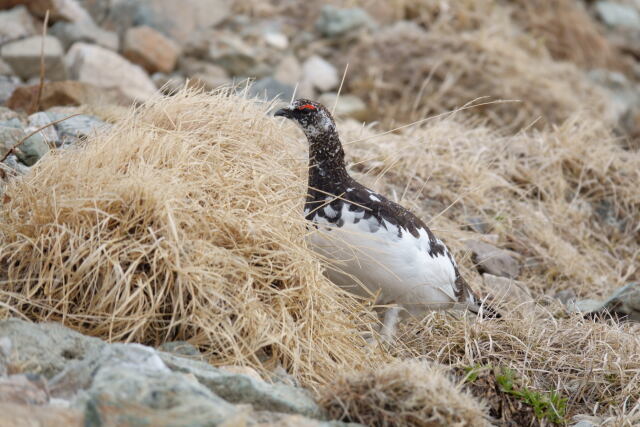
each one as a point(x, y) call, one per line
point(408, 393)
point(444, 70)
point(183, 223)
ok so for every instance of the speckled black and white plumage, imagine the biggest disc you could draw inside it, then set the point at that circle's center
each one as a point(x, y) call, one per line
point(369, 238)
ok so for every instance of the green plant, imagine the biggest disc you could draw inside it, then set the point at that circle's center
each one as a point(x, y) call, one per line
point(551, 406)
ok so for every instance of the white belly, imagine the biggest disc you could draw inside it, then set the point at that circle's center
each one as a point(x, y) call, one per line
point(368, 259)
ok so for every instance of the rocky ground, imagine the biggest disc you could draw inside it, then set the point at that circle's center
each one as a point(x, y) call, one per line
point(101, 57)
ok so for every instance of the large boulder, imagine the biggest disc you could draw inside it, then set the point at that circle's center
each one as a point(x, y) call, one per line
point(100, 67)
point(24, 57)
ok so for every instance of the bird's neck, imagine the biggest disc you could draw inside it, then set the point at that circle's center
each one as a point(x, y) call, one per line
point(327, 171)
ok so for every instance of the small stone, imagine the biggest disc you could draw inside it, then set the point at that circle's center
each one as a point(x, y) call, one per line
point(49, 133)
point(8, 86)
point(169, 83)
point(269, 89)
point(503, 289)
point(84, 31)
point(348, 105)
point(100, 67)
point(59, 10)
point(277, 40)
point(234, 55)
point(9, 137)
point(618, 15)
point(63, 93)
point(289, 71)
point(492, 260)
point(15, 24)
point(320, 74)
point(566, 296)
point(77, 127)
point(150, 49)
point(478, 224)
point(336, 22)
point(176, 19)
point(29, 151)
point(24, 57)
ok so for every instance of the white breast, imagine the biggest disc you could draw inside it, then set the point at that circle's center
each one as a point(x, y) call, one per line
point(366, 258)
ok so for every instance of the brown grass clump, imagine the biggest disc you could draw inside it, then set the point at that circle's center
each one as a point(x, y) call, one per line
point(408, 393)
point(568, 32)
point(183, 223)
point(594, 366)
point(442, 71)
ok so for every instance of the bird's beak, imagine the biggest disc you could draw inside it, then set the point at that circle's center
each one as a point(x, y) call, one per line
point(283, 112)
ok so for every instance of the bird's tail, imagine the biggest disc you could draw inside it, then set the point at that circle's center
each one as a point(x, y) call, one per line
point(475, 304)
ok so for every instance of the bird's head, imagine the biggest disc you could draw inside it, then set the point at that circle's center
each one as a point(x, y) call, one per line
point(314, 119)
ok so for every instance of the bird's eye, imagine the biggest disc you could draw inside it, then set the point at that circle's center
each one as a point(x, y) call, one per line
point(306, 107)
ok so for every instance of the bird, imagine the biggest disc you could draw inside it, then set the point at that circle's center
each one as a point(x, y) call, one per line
point(373, 246)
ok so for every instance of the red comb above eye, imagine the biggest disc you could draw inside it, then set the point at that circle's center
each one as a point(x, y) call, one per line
point(306, 107)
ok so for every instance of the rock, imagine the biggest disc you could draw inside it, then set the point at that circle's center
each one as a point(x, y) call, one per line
point(15, 24)
point(566, 296)
point(24, 57)
point(84, 31)
point(24, 389)
point(478, 224)
point(59, 10)
point(8, 114)
point(180, 348)
point(5, 69)
point(101, 67)
point(492, 260)
point(49, 133)
point(150, 49)
point(9, 137)
point(320, 74)
point(623, 93)
point(31, 150)
point(47, 347)
point(76, 127)
point(503, 289)
point(203, 74)
point(234, 55)
point(15, 415)
point(277, 40)
point(242, 370)
point(64, 93)
point(8, 85)
point(269, 89)
point(336, 22)
point(623, 303)
point(177, 20)
point(238, 388)
point(169, 84)
point(618, 15)
point(289, 71)
point(348, 105)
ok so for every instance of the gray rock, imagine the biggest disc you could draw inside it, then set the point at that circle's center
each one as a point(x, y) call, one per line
point(231, 53)
point(624, 95)
point(59, 10)
point(492, 260)
point(30, 389)
point(5, 69)
point(320, 74)
point(288, 71)
point(32, 150)
point(84, 31)
point(103, 68)
point(237, 388)
point(78, 127)
point(618, 15)
point(623, 303)
point(336, 22)
point(348, 105)
point(180, 348)
point(8, 114)
point(507, 290)
point(7, 86)
point(24, 57)
point(269, 88)
point(178, 20)
point(201, 73)
point(47, 348)
point(477, 224)
point(16, 23)
point(49, 133)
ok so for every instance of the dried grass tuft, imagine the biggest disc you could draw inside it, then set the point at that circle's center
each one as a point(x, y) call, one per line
point(408, 393)
point(183, 223)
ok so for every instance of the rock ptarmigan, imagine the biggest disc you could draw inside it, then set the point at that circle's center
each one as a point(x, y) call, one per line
point(370, 240)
